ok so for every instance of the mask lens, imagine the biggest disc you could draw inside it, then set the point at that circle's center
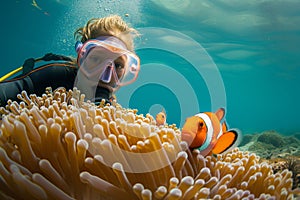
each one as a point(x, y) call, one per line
point(132, 70)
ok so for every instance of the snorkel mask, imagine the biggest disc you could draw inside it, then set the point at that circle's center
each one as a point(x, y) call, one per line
point(104, 61)
point(103, 56)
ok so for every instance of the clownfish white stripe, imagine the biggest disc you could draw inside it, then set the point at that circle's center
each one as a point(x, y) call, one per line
point(221, 132)
point(210, 130)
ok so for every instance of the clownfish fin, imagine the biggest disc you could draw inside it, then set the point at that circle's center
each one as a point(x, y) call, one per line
point(227, 141)
point(220, 113)
point(225, 126)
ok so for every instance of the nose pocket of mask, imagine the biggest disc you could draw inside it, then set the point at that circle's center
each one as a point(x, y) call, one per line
point(106, 75)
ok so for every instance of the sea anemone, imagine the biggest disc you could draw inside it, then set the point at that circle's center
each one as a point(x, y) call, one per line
point(59, 147)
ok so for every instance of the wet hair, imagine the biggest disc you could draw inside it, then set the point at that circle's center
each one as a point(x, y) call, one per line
point(112, 25)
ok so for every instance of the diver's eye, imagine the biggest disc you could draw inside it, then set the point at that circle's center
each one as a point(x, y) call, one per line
point(119, 65)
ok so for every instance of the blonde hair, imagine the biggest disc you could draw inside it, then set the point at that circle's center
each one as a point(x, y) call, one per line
point(112, 25)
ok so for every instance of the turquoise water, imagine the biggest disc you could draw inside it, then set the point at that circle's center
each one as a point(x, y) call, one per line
point(242, 55)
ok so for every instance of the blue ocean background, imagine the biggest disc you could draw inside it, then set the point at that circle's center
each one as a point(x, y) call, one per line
point(254, 45)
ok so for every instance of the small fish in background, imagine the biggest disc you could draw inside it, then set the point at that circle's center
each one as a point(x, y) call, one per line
point(161, 118)
point(208, 133)
point(34, 4)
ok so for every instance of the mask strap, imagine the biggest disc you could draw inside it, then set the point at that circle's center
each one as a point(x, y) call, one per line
point(78, 46)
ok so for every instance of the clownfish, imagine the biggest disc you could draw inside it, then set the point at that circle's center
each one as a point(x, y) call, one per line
point(208, 133)
point(161, 118)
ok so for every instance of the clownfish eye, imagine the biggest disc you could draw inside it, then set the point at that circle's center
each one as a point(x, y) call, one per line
point(201, 124)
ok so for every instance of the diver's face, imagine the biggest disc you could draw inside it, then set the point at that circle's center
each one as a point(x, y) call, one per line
point(105, 62)
point(105, 67)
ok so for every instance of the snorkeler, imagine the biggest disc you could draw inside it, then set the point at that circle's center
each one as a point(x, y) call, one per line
point(106, 57)
point(105, 62)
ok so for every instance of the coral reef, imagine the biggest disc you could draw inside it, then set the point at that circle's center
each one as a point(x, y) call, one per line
point(279, 151)
point(271, 144)
point(246, 139)
point(59, 147)
point(271, 137)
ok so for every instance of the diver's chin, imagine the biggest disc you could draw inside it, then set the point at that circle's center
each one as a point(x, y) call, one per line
point(105, 85)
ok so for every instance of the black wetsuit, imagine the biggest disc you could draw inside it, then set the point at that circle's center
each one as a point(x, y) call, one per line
point(35, 81)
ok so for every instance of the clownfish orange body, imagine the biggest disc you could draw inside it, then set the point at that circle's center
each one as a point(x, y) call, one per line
point(161, 118)
point(208, 133)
